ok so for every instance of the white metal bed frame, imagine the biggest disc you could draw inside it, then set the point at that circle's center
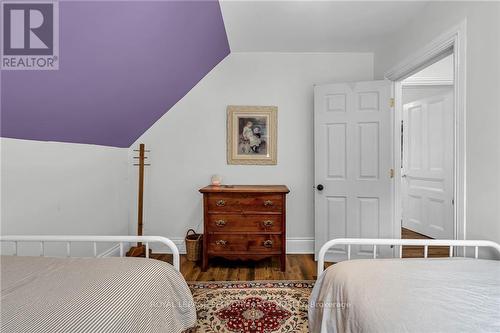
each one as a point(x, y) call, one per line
point(94, 239)
point(400, 243)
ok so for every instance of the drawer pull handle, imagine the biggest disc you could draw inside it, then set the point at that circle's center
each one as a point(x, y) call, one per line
point(268, 243)
point(221, 203)
point(221, 242)
point(220, 223)
point(267, 223)
point(268, 203)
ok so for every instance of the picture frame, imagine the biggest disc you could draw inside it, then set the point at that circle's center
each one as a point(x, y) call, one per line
point(252, 133)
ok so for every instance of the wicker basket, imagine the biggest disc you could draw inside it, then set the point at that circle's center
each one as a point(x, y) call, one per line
point(193, 245)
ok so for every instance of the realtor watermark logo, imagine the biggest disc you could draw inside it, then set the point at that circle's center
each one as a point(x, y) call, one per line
point(30, 35)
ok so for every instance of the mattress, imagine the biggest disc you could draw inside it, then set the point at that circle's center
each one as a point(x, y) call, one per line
point(407, 295)
point(41, 294)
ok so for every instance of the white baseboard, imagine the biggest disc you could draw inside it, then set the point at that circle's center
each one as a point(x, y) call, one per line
point(181, 245)
point(300, 245)
point(294, 245)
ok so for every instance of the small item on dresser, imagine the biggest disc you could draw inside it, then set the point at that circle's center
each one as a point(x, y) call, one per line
point(216, 180)
point(193, 245)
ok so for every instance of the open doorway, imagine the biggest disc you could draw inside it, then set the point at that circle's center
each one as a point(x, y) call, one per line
point(427, 154)
point(418, 70)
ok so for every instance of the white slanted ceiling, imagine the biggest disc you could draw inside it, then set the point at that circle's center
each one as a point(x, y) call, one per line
point(314, 26)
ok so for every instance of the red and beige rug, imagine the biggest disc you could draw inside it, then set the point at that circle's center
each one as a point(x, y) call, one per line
point(252, 307)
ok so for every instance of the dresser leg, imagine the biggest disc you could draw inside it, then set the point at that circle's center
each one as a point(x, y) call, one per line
point(283, 262)
point(204, 264)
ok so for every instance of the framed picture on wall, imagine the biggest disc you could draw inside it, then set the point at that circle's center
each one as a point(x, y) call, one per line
point(252, 135)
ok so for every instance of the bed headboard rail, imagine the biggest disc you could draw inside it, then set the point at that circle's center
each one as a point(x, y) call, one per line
point(476, 244)
point(68, 239)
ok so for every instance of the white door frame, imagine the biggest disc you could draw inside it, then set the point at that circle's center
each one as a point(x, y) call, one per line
point(452, 41)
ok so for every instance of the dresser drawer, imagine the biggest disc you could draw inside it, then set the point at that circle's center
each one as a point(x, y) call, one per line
point(243, 223)
point(227, 243)
point(223, 202)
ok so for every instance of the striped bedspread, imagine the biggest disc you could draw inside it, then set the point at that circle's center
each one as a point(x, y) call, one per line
point(93, 295)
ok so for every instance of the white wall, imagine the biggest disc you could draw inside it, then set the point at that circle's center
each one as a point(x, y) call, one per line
point(483, 98)
point(439, 71)
point(63, 188)
point(188, 144)
point(413, 93)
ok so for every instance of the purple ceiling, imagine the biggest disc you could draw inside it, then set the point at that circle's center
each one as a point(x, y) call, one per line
point(122, 66)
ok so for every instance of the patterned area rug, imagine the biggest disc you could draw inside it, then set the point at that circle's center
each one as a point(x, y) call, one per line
point(252, 307)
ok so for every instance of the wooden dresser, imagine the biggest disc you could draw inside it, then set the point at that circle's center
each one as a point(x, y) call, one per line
point(244, 222)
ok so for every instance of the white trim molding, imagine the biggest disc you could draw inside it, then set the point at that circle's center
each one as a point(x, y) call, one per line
point(439, 48)
point(453, 42)
point(427, 81)
point(300, 245)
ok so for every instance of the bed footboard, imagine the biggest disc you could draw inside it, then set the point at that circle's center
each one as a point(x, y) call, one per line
point(121, 240)
point(476, 244)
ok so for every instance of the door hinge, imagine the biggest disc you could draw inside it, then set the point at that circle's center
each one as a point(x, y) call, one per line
point(391, 102)
point(391, 173)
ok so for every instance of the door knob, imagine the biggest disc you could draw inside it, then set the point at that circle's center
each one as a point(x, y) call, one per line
point(320, 187)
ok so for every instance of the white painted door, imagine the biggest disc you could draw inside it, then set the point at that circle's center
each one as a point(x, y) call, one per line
point(427, 183)
point(353, 150)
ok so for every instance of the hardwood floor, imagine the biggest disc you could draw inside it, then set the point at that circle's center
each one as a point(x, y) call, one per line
point(418, 252)
point(298, 266)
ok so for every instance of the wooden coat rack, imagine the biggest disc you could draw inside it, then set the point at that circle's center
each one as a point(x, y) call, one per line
point(140, 250)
